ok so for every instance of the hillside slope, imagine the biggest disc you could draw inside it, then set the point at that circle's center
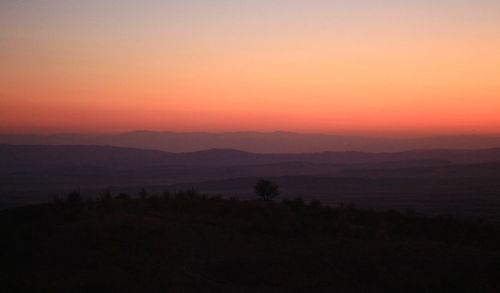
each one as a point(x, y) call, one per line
point(213, 245)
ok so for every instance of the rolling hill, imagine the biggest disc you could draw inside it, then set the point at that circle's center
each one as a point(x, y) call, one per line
point(460, 182)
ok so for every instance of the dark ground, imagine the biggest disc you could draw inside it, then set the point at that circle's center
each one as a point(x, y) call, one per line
point(203, 244)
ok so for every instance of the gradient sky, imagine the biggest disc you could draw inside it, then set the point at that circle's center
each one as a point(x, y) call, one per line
point(347, 66)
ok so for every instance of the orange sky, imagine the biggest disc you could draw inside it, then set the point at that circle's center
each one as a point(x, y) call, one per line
point(311, 66)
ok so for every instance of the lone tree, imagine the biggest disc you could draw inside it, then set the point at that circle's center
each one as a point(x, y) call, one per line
point(266, 189)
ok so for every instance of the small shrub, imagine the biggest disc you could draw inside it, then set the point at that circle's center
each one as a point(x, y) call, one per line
point(166, 194)
point(123, 196)
point(143, 194)
point(180, 195)
point(192, 193)
point(74, 198)
point(154, 202)
point(106, 195)
point(315, 203)
point(57, 203)
point(298, 202)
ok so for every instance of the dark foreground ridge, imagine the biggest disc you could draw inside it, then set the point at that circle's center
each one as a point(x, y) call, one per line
point(193, 243)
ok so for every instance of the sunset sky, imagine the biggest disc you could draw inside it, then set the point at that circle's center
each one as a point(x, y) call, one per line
point(345, 66)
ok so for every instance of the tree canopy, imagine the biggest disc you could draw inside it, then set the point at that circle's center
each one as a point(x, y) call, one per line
point(266, 189)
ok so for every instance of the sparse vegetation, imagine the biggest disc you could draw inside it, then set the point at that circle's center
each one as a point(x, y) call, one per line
point(74, 198)
point(189, 243)
point(123, 196)
point(143, 194)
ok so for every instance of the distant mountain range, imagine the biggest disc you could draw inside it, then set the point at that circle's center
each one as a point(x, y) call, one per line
point(29, 157)
point(34, 173)
point(275, 142)
point(37, 165)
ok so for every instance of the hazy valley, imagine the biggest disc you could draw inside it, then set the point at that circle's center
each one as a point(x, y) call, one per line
point(436, 182)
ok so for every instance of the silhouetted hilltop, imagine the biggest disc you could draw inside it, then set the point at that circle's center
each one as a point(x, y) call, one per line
point(14, 157)
point(21, 157)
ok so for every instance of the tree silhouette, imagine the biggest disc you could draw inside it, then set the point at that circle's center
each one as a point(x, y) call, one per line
point(266, 189)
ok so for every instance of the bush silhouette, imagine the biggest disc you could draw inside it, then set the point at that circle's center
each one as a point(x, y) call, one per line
point(74, 198)
point(143, 194)
point(192, 193)
point(57, 203)
point(106, 195)
point(266, 189)
point(123, 196)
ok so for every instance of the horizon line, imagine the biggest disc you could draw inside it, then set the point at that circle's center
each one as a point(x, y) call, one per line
point(340, 134)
